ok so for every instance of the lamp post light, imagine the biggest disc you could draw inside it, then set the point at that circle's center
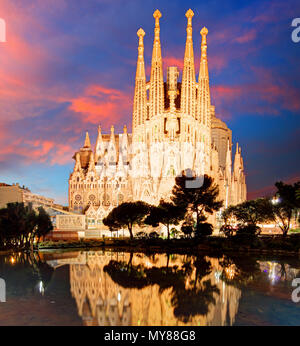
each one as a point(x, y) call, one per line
point(275, 200)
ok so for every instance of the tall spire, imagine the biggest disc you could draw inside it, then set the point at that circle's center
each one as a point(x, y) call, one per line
point(87, 142)
point(112, 150)
point(156, 94)
point(228, 161)
point(120, 165)
point(188, 88)
point(238, 160)
point(91, 167)
point(203, 102)
point(99, 147)
point(123, 145)
point(228, 175)
point(77, 167)
point(140, 94)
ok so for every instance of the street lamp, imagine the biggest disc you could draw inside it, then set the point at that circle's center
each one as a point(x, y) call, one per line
point(275, 200)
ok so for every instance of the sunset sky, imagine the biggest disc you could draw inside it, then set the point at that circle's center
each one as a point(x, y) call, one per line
point(68, 66)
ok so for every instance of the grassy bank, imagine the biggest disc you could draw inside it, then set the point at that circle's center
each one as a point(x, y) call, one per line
point(265, 244)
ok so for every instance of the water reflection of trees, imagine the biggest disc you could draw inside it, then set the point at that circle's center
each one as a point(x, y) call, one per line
point(190, 295)
point(239, 270)
point(24, 273)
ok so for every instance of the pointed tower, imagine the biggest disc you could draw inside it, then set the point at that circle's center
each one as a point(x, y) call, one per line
point(99, 147)
point(87, 142)
point(91, 167)
point(123, 145)
point(228, 176)
point(239, 181)
point(203, 99)
point(77, 167)
point(85, 152)
point(156, 94)
point(228, 161)
point(112, 149)
point(188, 87)
point(237, 161)
point(140, 95)
point(120, 166)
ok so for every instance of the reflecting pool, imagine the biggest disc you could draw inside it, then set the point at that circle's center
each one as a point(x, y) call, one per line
point(118, 288)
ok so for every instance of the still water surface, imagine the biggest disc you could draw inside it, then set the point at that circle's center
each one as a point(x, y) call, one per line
point(117, 288)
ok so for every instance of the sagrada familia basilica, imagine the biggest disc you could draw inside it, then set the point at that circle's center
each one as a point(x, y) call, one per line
point(174, 128)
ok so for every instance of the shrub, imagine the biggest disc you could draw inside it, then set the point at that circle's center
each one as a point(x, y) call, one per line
point(228, 230)
point(204, 229)
point(248, 230)
point(153, 235)
point(141, 235)
point(187, 229)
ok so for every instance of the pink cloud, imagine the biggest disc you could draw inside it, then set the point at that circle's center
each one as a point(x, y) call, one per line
point(267, 94)
point(246, 37)
point(269, 190)
point(38, 151)
point(99, 104)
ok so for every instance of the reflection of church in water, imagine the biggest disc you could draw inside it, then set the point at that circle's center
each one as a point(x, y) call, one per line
point(101, 301)
point(174, 128)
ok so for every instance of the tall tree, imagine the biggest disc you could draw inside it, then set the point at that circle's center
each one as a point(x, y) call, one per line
point(251, 212)
point(248, 215)
point(165, 213)
point(17, 223)
point(44, 224)
point(20, 225)
point(288, 201)
point(201, 200)
point(127, 215)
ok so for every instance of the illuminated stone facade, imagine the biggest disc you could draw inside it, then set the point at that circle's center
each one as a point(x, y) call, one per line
point(174, 128)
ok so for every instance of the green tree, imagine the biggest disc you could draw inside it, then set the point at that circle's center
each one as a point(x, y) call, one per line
point(127, 215)
point(165, 213)
point(288, 201)
point(187, 229)
point(17, 223)
point(204, 229)
point(201, 200)
point(43, 224)
point(228, 214)
point(20, 225)
point(251, 212)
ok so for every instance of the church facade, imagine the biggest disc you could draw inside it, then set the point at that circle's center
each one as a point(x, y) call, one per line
point(174, 128)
